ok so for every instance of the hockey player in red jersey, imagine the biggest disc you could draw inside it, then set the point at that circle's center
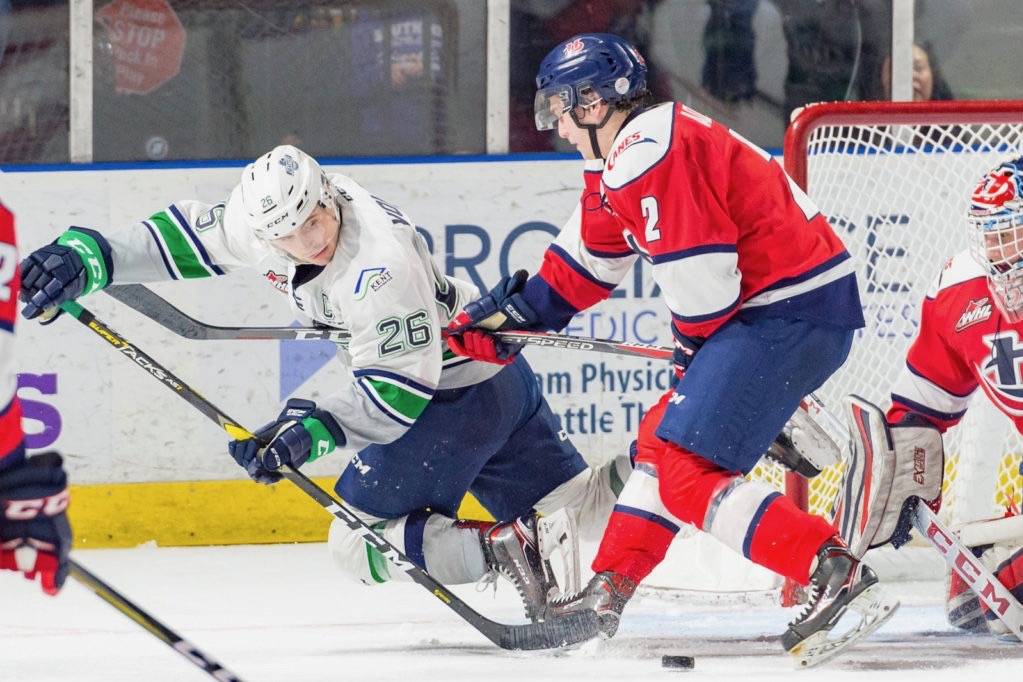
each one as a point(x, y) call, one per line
point(763, 301)
point(971, 323)
point(34, 533)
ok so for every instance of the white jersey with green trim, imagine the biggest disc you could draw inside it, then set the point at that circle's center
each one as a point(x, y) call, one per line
point(381, 286)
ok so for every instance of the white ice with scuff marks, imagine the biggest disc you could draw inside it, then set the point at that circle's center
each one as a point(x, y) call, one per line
point(281, 613)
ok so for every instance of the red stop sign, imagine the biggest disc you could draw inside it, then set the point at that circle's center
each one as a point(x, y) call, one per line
point(148, 42)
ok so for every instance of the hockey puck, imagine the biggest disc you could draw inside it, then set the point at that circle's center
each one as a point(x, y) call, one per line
point(678, 662)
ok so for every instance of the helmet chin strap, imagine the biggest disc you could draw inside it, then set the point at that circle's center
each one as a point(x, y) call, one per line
point(592, 128)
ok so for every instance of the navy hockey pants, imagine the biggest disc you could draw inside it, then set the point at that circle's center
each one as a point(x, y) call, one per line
point(497, 439)
point(745, 382)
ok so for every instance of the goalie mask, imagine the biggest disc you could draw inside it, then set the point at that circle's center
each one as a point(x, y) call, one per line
point(995, 222)
point(281, 189)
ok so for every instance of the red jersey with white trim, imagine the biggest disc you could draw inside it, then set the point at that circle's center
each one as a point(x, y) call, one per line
point(12, 438)
point(724, 227)
point(963, 342)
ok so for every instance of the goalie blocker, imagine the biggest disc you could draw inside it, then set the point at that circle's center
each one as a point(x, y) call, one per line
point(891, 466)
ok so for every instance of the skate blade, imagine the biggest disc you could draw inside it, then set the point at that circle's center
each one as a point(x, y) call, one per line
point(875, 608)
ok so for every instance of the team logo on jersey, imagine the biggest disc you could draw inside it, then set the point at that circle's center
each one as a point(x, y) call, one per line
point(370, 279)
point(210, 218)
point(574, 47)
point(1000, 372)
point(629, 141)
point(279, 281)
point(290, 164)
point(976, 311)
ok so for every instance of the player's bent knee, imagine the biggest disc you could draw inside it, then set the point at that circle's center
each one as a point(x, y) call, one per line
point(356, 559)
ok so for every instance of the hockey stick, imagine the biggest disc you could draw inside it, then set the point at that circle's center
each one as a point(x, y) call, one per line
point(172, 639)
point(984, 584)
point(156, 308)
point(557, 632)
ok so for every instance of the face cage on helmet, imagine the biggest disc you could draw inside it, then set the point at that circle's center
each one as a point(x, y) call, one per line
point(996, 243)
point(550, 104)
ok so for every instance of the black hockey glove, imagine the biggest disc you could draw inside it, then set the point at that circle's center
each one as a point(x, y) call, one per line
point(35, 536)
point(77, 263)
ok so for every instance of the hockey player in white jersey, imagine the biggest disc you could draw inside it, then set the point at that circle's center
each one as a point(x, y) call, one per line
point(422, 425)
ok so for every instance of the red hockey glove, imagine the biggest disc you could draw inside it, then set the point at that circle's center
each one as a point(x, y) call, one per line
point(479, 345)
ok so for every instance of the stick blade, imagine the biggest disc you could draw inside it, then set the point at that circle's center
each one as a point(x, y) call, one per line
point(555, 633)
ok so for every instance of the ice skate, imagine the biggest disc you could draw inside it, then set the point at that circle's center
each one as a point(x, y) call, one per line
point(606, 593)
point(840, 583)
point(512, 550)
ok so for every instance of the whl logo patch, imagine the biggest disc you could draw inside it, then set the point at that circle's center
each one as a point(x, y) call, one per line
point(279, 281)
point(976, 311)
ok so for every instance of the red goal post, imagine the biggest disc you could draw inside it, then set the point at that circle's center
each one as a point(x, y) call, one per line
point(894, 179)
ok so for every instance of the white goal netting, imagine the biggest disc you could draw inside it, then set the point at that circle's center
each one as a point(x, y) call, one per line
point(894, 180)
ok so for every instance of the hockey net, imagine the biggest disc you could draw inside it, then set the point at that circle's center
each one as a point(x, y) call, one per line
point(894, 180)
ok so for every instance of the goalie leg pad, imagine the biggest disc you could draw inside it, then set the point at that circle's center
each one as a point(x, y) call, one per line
point(887, 468)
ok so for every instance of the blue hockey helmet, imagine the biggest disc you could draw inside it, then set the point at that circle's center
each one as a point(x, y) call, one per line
point(583, 70)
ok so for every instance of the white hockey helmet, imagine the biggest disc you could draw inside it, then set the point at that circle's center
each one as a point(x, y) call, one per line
point(281, 189)
point(995, 222)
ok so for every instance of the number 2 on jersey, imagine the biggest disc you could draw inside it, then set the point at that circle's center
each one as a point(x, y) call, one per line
point(652, 214)
point(8, 263)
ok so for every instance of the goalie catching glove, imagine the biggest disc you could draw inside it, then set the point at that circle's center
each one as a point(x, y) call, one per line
point(890, 468)
point(300, 434)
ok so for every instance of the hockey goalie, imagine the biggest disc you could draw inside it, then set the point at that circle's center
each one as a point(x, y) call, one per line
point(970, 336)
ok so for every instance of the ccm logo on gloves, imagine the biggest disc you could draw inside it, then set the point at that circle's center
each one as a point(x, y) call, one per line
point(26, 510)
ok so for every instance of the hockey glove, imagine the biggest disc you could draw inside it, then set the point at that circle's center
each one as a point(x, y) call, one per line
point(78, 263)
point(685, 350)
point(300, 434)
point(479, 345)
point(502, 308)
point(35, 536)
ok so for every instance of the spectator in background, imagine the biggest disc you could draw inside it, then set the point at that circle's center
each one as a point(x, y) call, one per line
point(828, 43)
point(928, 83)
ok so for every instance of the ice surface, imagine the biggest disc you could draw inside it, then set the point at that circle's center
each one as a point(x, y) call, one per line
point(281, 613)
